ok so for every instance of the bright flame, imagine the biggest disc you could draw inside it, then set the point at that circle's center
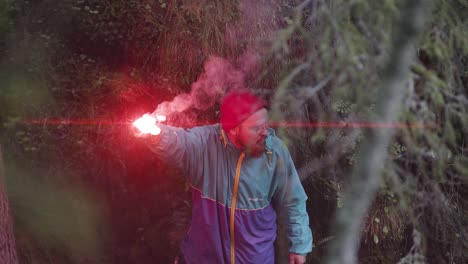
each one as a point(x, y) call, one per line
point(147, 124)
point(161, 118)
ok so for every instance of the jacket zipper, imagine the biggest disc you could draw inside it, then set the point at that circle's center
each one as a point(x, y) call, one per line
point(233, 206)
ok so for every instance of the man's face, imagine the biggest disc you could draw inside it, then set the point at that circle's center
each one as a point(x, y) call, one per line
point(250, 135)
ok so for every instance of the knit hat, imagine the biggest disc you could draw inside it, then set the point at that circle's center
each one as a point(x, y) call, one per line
point(238, 106)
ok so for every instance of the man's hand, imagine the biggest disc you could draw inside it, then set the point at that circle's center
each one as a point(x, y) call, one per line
point(296, 258)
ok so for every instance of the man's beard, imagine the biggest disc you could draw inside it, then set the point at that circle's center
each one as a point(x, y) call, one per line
point(257, 149)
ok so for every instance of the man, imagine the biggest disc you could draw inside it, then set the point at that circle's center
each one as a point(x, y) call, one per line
point(241, 177)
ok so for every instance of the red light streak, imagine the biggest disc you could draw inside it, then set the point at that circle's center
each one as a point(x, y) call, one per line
point(99, 122)
point(352, 125)
point(74, 122)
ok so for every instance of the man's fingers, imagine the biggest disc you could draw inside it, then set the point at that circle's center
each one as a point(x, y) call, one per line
point(296, 259)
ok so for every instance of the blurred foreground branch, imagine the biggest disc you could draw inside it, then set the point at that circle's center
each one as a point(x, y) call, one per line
point(366, 174)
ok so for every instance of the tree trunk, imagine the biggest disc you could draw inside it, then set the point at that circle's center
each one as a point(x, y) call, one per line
point(366, 174)
point(7, 239)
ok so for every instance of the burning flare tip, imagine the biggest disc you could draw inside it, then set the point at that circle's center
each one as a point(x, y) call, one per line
point(147, 124)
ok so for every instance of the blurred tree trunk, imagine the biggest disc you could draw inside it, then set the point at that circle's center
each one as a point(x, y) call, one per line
point(7, 239)
point(365, 179)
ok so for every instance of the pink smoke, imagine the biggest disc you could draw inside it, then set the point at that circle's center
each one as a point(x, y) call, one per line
point(219, 77)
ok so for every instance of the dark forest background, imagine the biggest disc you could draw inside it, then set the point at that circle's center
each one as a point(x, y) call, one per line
point(75, 73)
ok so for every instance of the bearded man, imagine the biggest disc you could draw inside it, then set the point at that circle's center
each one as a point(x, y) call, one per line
point(242, 178)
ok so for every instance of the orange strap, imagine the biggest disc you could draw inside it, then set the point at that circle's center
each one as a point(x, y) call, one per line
point(233, 206)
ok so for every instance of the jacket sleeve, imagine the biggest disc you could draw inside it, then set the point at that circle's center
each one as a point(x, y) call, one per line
point(182, 148)
point(290, 203)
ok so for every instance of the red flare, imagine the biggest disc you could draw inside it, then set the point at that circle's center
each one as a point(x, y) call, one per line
point(147, 124)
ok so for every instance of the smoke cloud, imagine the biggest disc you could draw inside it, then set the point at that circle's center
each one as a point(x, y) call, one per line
point(219, 77)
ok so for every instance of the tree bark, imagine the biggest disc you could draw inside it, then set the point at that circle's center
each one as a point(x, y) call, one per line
point(366, 174)
point(7, 239)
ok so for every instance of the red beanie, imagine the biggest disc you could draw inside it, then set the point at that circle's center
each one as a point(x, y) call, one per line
point(238, 106)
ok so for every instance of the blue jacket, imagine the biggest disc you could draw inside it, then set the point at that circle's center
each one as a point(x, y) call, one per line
point(236, 198)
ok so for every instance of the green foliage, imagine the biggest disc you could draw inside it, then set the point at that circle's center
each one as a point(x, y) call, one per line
point(8, 13)
point(57, 217)
point(22, 94)
point(347, 43)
